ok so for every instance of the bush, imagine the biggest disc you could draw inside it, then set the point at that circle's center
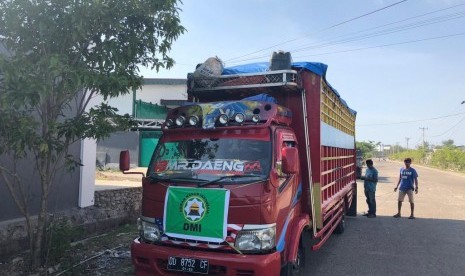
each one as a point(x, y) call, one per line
point(449, 158)
point(62, 234)
point(418, 156)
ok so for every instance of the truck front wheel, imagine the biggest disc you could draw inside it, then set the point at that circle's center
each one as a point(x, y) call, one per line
point(295, 268)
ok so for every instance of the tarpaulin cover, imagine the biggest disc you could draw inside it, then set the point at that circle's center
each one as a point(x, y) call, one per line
point(261, 98)
point(247, 68)
point(314, 67)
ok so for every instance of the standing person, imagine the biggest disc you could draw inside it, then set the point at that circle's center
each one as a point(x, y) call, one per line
point(407, 178)
point(370, 181)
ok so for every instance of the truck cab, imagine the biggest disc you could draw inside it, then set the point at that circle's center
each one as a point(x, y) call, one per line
point(250, 155)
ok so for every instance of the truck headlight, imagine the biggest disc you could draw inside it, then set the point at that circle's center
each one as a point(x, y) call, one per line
point(148, 231)
point(258, 239)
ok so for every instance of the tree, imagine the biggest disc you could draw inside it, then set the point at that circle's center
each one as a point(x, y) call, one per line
point(397, 148)
point(448, 143)
point(62, 53)
point(367, 148)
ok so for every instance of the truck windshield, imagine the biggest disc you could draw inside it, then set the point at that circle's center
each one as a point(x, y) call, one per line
point(211, 160)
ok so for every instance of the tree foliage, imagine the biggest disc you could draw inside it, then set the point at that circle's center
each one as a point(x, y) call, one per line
point(367, 148)
point(448, 143)
point(417, 156)
point(61, 54)
point(449, 158)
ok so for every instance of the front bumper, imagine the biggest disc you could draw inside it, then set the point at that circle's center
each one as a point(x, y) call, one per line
point(150, 259)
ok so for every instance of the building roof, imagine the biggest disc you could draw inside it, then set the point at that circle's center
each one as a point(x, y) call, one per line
point(148, 81)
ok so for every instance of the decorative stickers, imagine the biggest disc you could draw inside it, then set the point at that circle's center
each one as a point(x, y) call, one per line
point(217, 166)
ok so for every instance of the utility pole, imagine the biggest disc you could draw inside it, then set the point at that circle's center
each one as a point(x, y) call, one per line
point(407, 138)
point(423, 129)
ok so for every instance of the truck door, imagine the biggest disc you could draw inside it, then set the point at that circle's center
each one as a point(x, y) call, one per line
point(287, 185)
point(284, 138)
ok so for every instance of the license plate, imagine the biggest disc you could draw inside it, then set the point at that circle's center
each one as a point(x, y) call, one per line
point(188, 265)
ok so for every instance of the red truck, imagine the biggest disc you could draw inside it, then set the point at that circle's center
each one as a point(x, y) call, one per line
point(258, 168)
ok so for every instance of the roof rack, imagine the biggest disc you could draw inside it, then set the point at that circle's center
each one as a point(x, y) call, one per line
point(287, 78)
point(148, 124)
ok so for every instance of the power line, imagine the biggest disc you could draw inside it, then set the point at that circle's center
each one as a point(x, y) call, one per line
point(423, 129)
point(413, 17)
point(348, 38)
point(359, 35)
point(414, 121)
point(325, 29)
point(385, 32)
point(452, 133)
point(445, 132)
point(385, 45)
point(457, 107)
point(358, 17)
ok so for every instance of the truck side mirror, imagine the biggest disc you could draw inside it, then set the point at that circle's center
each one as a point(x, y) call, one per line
point(124, 164)
point(290, 160)
point(124, 160)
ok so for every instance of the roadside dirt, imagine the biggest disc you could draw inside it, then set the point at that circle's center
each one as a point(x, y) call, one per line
point(111, 175)
point(102, 255)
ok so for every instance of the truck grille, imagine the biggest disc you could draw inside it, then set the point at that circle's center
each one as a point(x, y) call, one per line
point(232, 231)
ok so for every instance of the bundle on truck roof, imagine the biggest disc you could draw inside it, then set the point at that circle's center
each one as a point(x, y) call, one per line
point(273, 149)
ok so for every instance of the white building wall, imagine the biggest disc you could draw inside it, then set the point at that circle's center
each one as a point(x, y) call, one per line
point(151, 93)
point(154, 93)
point(87, 182)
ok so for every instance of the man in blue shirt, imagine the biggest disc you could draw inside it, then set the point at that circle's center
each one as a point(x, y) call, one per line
point(407, 178)
point(370, 180)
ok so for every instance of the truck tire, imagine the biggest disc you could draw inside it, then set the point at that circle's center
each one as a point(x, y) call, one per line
point(351, 211)
point(295, 268)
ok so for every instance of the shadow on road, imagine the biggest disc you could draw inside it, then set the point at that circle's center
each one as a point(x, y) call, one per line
point(390, 246)
point(383, 179)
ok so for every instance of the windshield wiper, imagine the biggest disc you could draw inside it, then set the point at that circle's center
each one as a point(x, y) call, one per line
point(231, 177)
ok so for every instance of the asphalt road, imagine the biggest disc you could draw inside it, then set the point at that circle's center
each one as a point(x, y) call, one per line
point(432, 244)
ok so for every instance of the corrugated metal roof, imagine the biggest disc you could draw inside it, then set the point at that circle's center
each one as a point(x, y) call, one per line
point(148, 81)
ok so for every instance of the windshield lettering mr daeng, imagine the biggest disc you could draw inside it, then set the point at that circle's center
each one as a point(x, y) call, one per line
point(232, 166)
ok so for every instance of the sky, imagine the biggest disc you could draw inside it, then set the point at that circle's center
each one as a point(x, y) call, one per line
point(399, 64)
